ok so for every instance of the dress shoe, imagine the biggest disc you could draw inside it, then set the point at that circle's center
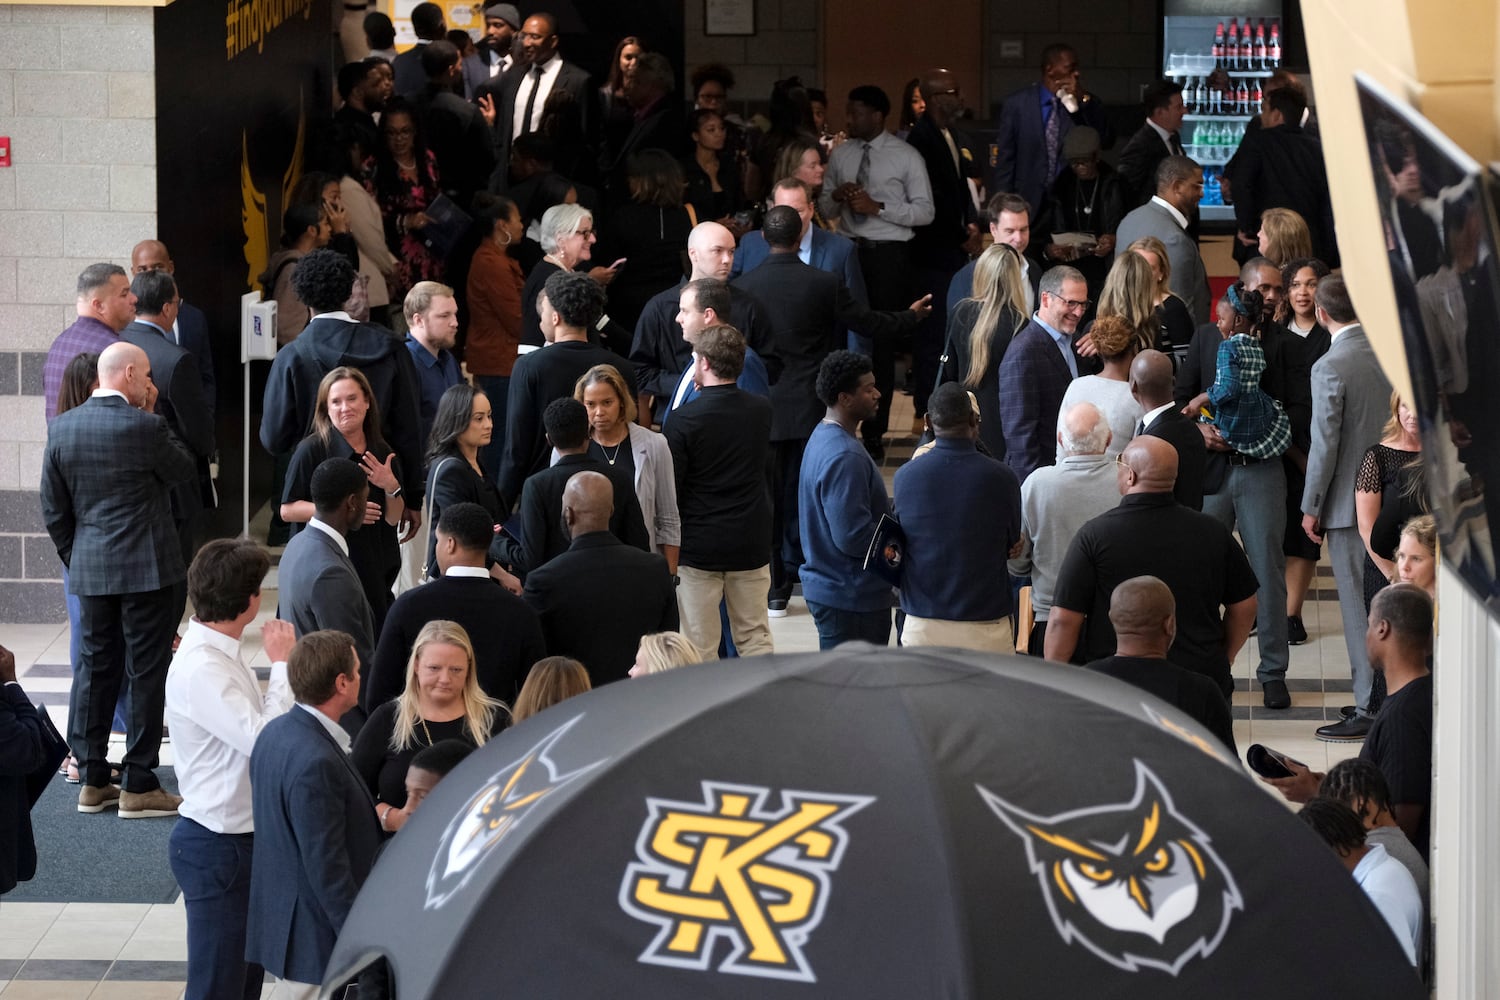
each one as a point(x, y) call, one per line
point(96, 798)
point(147, 805)
point(1348, 711)
point(1275, 695)
point(1348, 731)
point(776, 608)
point(1296, 632)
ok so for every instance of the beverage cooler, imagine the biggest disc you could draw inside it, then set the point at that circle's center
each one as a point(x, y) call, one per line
point(1222, 52)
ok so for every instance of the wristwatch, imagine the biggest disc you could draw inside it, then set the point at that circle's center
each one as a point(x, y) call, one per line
point(395, 492)
point(676, 580)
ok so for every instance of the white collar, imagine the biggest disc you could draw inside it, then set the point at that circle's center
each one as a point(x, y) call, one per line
point(336, 314)
point(1181, 219)
point(101, 393)
point(340, 540)
point(473, 571)
point(1148, 417)
point(1166, 136)
point(334, 729)
point(1334, 334)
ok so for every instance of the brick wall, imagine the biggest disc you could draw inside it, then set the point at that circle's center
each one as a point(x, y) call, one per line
point(78, 101)
point(785, 43)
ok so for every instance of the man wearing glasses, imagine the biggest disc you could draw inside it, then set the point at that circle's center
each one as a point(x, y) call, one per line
point(1179, 186)
point(1036, 370)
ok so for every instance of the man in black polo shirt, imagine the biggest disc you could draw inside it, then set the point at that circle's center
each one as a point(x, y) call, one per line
point(1398, 637)
point(721, 444)
point(1252, 493)
point(1150, 533)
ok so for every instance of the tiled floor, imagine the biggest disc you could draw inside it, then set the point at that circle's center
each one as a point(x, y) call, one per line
point(70, 951)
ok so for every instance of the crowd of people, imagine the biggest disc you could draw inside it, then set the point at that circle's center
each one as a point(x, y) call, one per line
point(643, 394)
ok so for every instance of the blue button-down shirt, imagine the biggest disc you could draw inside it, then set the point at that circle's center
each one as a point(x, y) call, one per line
point(436, 374)
point(1063, 341)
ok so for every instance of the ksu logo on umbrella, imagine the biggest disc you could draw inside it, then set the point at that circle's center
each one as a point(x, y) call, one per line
point(502, 805)
point(732, 869)
point(1136, 882)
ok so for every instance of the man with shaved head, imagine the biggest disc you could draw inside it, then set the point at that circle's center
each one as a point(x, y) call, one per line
point(1151, 533)
point(1151, 385)
point(659, 351)
point(190, 327)
point(1144, 615)
point(107, 473)
point(598, 598)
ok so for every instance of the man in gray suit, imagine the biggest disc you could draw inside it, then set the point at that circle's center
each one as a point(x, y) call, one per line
point(1179, 186)
point(1351, 403)
point(174, 371)
point(106, 473)
point(319, 587)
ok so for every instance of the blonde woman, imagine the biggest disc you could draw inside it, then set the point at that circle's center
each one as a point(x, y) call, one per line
point(1171, 312)
point(1416, 556)
point(550, 680)
point(1283, 236)
point(662, 651)
point(1130, 293)
point(618, 441)
point(442, 701)
point(980, 328)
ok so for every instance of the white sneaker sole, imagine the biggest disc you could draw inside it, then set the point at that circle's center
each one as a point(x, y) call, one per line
point(146, 813)
point(101, 807)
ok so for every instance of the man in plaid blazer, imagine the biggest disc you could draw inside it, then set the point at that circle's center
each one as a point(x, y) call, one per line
point(107, 472)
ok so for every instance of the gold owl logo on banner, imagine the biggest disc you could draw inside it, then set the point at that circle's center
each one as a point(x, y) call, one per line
point(261, 223)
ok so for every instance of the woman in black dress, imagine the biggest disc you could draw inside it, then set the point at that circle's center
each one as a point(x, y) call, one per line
point(650, 233)
point(442, 701)
point(462, 426)
point(713, 174)
point(980, 328)
point(346, 424)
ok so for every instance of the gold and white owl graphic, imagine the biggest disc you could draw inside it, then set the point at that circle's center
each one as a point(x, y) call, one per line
point(1137, 883)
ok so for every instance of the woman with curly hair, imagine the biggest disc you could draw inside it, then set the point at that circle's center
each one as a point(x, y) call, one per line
point(402, 176)
point(442, 700)
point(1118, 342)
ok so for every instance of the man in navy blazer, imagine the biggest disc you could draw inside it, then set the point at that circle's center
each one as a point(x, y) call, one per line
point(1036, 371)
point(824, 250)
point(318, 586)
point(316, 833)
point(1023, 162)
point(190, 331)
point(106, 473)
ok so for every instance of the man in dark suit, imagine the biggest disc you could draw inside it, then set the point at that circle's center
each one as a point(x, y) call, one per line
point(1157, 139)
point(23, 749)
point(658, 122)
point(107, 472)
point(494, 55)
point(454, 129)
point(1151, 385)
point(516, 103)
point(428, 25)
point(941, 247)
point(1036, 370)
point(316, 835)
point(1009, 219)
point(179, 397)
point(1351, 403)
point(191, 328)
point(816, 246)
point(603, 633)
point(1035, 120)
point(1144, 615)
point(1179, 187)
point(318, 587)
point(1283, 168)
point(505, 632)
point(572, 303)
point(805, 307)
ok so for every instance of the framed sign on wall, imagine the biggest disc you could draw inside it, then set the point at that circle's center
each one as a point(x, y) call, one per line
point(729, 17)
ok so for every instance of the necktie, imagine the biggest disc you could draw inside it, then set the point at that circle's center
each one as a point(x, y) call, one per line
point(1053, 135)
point(536, 86)
point(1176, 144)
point(1140, 427)
point(862, 177)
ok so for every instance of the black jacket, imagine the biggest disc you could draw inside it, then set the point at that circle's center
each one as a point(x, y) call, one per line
point(1192, 455)
point(542, 535)
point(1282, 167)
point(939, 244)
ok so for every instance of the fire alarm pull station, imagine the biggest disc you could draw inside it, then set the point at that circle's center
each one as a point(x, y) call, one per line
point(4, 150)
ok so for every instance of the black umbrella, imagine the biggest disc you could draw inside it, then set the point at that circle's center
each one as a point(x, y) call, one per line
point(864, 823)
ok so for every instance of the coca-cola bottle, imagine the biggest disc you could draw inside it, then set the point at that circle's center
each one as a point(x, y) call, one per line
point(1257, 99)
point(1232, 44)
point(1200, 97)
point(1273, 51)
point(1259, 54)
point(1218, 48)
point(1242, 99)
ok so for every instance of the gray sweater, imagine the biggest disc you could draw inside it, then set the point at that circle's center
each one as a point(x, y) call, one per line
point(1057, 500)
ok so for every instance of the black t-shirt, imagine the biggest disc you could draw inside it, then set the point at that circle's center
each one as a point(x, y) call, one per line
point(1400, 744)
point(1196, 695)
point(384, 769)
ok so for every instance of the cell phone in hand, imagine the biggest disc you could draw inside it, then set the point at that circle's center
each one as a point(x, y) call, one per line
point(617, 264)
point(1269, 763)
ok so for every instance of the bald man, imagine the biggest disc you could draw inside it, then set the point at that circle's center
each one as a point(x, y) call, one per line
point(107, 474)
point(1144, 615)
point(1151, 384)
point(1151, 533)
point(598, 598)
point(190, 328)
point(660, 353)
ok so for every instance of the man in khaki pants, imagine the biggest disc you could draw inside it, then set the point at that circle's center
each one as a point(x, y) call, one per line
point(721, 441)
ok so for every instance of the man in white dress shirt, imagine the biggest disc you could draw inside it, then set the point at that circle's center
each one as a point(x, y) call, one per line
point(216, 709)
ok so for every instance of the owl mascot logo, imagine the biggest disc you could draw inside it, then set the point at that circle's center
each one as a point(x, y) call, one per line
point(1136, 883)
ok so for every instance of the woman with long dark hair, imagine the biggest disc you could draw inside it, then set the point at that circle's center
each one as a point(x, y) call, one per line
point(649, 232)
point(403, 178)
point(494, 295)
point(460, 429)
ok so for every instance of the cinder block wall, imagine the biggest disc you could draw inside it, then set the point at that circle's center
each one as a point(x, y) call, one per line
point(78, 101)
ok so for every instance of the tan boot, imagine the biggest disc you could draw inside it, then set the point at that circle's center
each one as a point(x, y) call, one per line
point(146, 805)
point(96, 799)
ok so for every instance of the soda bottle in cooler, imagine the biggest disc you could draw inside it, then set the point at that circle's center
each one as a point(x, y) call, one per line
point(1259, 54)
point(1232, 45)
point(1200, 97)
point(1242, 99)
point(1257, 99)
point(1273, 50)
point(1218, 47)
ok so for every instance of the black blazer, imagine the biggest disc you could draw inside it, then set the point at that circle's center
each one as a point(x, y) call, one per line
point(542, 536)
point(1139, 159)
point(180, 400)
point(192, 333)
point(805, 307)
point(456, 133)
point(1183, 435)
point(577, 128)
point(939, 243)
point(598, 598)
point(1282, 167)
point(505, 632)
point(23, 749)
